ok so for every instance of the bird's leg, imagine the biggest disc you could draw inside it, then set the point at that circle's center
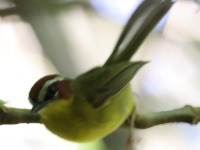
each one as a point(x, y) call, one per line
point(130, 140)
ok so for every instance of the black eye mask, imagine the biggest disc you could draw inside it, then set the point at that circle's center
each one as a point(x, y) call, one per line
point(51, 93)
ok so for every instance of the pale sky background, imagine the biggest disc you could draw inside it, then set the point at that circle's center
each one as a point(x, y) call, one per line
point(171, 79)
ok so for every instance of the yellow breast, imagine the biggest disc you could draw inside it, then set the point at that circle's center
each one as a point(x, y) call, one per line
point(79, 121)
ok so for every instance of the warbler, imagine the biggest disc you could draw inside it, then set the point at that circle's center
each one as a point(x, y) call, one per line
point(88, 107)
point(97, 102)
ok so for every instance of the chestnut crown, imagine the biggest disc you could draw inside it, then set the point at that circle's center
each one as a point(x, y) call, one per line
point(48, 88)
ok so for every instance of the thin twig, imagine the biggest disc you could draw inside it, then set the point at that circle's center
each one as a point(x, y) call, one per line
point(9, 115)
point(187, 114)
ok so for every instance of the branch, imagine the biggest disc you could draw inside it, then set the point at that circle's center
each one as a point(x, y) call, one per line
point(187, 114)
point(9, 115)
point(55, 6)
point(8, 11)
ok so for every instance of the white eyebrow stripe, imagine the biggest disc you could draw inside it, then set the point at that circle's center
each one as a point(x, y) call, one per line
point(43, 90)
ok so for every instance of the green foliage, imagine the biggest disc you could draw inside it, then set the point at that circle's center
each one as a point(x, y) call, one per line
point(2, 104)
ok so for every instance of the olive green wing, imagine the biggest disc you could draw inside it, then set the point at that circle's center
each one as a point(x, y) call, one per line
point(99, 84)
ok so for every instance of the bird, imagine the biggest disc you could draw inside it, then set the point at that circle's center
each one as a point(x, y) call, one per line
point(97, 102)
point(88, 107)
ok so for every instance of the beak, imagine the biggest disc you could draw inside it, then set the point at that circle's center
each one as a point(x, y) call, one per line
point(38, 106)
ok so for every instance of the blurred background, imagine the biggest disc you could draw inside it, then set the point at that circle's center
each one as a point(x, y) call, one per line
point(43, 37)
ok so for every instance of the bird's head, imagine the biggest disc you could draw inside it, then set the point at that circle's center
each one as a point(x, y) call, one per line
point(49, 88)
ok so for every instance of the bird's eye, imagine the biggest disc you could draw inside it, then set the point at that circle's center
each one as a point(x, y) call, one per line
point(52, 90)
point(51, 93)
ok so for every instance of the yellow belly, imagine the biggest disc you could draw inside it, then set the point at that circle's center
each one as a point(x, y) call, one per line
point(80, 122)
